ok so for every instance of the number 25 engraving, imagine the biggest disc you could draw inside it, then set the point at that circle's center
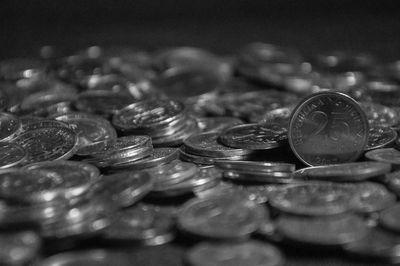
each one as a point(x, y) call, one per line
point(334, 128)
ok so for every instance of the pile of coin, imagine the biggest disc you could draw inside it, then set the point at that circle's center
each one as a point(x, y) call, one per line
point(242, 156)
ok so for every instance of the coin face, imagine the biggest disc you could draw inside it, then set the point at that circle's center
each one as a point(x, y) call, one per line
point(11, 154)
point(371, 197)
point(328, 128)
point(250, 253)
point(221, 217)
point(380, 137)
point(9, 125)
point(88, 258)
point(387, 155)
point(48, 143)
point(254, 136)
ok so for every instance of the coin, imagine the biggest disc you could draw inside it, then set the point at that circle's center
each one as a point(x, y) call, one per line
point(254, 136)
point(380, 137)
point(380, 114)
point(217, 124)
point(220, 217)
point(328, 128)
point(255, 166)
point(371, 197)
point(206, 144)
point(259, 177)
point(9, 125)
point(389, 218)
point(325, 231)
point(48, 143)
point(386, 155)
point(250, 253)
point(312, 199)
point(346, 172)
point(188, 157)
point(11, 154)
point(87, 257)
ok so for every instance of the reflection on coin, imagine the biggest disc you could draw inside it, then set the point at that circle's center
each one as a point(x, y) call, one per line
point(255, 166)
point(389, 218)
point(254, 136)
point(387, 155)
point(203, 160)
point(351, 172)
point(328, 128)
point(11, 154)
point(380, 137)
point(217, 124)
point(314, 199)
point(326, 231)
point(48, 143)
point(223, 217)
point(9, 125)
point(251, 253)
point(206, 144)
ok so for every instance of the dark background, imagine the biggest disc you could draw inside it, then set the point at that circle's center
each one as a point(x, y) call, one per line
point(222, 26)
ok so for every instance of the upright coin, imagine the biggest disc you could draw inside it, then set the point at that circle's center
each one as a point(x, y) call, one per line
point(328, 128)
point(48, 144)
point(11, 154)
point(9, 125)
point(251, 253)
point(254, 136)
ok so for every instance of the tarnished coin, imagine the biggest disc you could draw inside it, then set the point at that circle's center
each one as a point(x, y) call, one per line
point(380, 137)
point(325, 231)
point(48, 143)
point(221, 217)
point(254, 166)
point(217, 124)
point(147, 114)
point(328, 128)
point(390, 217)
point(387, 155)
point(254, 136)
point(9, 125)
point(357, 171)
point(143, 223)
point(251, 253)
point(88, 257)
point(206, 144)
point(93, 131)
point(371, 197)
point(11, 154)
point(377, 244)
point(126, 188)
point(159, 157)
point(19, 248)
point(312, 199)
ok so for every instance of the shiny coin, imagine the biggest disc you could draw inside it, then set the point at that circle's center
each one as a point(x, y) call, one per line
point(32, 122)
point(93, 131)
point(328, 128)
point(143, 223)
point(380, 137)
point(217, 124)
point(389, 218)
point(223, 217)
point(380, 114)
point(325, 231)
point(259, 177)
point(9, 125)
point(48, 143)
point(255, 166)
point(11, 154)
point(378, 244)
point(314, 199)
point(147, 114)
point(251, 253)
point(206, 144)
point(126, 188)
point(18, 248)
point(188, 157)
point(279, 116)
point(351, 172)
point(387, 155)
point(254, 136)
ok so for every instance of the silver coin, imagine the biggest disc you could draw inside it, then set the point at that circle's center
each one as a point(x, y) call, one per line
point(88, 257)
point(389, 218)
point(188, 157)
point(31, 123)
point(325, 231)
point(250, 253)
point(48, 143)
point(223, 217)
point(9, 126)
point(313, 199)
point(217, 124)
point(346, 172)
point(380, 137)
point(11, 154)
point(392, 181)
point(380, 114)
point(206, 144)
point(328, 128)
point(92, 130)
point(386, 155)
point(260, 177)
point(255, 166)
point(123, 158)
point(254, 136)
point(371, 197)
